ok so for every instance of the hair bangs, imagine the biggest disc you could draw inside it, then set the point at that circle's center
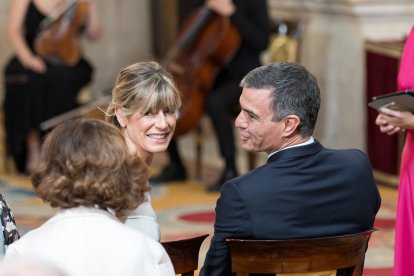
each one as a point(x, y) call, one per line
point(160, 95)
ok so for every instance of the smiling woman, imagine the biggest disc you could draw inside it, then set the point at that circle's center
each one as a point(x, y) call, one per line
point(144, 104)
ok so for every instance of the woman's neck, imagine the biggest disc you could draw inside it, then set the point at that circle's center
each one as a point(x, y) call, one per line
point(144, 155)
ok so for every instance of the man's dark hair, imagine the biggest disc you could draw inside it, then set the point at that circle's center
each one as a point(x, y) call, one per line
point(295, 91)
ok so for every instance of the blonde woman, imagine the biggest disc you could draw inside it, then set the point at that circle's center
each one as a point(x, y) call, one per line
point(144, 104)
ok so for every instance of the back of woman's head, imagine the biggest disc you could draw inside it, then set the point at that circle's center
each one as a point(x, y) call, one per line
point(86, 162)
point(144, 86)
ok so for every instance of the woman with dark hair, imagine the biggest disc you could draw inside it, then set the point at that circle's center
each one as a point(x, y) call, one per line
point(38, 88)
point(87, 171)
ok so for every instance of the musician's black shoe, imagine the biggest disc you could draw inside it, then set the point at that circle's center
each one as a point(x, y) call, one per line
point(226, 175)
point(171, 172)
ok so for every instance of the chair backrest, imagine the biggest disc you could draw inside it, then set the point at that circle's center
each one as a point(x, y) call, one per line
point(300, 255)
point(184, 254)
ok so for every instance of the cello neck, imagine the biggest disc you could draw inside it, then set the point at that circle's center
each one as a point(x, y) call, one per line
point(200, 21)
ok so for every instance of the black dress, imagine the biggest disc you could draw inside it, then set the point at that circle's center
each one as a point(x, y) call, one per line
point(31, 98)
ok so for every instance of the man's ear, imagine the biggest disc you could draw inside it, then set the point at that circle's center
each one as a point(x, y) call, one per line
point(291, 124)
point(120, 116)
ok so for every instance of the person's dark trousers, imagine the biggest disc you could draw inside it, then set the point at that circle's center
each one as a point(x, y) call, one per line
point(220, 107)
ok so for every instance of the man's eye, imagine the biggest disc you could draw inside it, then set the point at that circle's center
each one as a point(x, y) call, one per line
point(251, 115)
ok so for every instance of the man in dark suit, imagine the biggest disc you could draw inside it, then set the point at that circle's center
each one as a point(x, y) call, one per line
point(304, 189)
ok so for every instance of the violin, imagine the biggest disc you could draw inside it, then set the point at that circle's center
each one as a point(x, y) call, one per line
point(58, 41)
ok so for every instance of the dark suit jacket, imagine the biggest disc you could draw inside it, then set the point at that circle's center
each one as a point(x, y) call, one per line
point(307, 191)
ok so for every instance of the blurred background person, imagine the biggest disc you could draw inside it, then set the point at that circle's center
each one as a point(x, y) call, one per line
point(9, 232)
point(42, 85)
point(252, 22)
point(86, 170)
point(392, 122)
point(144, 105)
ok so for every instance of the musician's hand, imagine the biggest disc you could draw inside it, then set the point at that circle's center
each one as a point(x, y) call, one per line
point(224, 7)
point(36, 64)
point(393, 121)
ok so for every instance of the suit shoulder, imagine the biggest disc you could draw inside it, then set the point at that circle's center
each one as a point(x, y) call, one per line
point(349, 156)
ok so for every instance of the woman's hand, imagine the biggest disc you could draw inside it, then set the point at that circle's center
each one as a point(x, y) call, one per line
point(34, 63)
point(27, 58)
point(393, 121)
point(93, 24)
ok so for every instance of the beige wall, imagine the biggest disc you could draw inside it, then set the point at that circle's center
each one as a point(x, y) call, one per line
point(126, 39)
point(333, 50)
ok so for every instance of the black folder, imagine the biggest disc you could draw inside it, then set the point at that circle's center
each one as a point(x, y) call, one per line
point(401, 100)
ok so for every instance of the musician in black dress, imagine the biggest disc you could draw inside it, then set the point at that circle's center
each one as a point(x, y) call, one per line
point(251, 20)
point(35, 89)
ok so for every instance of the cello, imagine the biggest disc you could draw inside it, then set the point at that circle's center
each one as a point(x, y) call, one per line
point(207, 43)
point(58, 41)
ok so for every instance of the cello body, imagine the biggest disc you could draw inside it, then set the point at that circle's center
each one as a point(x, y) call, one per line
point(58, 42)
point(207, 43)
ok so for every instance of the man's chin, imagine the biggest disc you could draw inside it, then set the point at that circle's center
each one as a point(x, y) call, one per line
point(247, 146)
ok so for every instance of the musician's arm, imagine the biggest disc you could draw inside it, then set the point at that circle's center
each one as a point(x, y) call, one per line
point(224, 7)
point(250, 17)
point(252, 20)
point(93, 26)
point(27, 58)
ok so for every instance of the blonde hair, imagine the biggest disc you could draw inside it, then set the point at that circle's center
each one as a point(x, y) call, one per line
point(144, 86)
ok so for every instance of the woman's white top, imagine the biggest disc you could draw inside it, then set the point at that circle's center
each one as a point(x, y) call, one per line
point(90, 241)
point(144, 219)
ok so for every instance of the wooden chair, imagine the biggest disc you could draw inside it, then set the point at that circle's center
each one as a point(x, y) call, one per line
point(184, 254)
point(300, 255)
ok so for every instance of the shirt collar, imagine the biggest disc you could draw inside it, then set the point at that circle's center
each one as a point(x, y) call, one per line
point(310, 141)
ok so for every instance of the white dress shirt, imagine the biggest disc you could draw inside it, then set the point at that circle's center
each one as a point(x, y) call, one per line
point(87, 241)
point(309, 141)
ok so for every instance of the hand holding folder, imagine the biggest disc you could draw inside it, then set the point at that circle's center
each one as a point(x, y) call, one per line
point(402, 101)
